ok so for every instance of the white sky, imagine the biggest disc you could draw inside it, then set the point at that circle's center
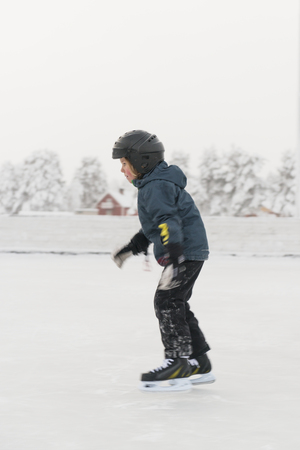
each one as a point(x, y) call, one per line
point(76, 74)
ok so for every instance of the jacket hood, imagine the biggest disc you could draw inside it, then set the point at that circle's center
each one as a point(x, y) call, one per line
point(163, 172)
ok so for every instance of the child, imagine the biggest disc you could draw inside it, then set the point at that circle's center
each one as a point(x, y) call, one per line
point(171, 221)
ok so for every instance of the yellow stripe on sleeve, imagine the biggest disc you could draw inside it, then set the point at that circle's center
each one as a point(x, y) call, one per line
point(164, 233)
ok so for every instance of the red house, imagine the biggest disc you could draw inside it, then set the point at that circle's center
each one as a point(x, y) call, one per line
point(117, 204)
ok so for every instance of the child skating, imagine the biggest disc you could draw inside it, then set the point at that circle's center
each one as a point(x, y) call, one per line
point(171, 221)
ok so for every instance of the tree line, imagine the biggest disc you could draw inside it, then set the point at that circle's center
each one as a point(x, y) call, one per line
point(226, 183)
point(38, 184)
point(231, 183)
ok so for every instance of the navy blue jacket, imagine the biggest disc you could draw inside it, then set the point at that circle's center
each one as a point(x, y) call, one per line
point(168, 213)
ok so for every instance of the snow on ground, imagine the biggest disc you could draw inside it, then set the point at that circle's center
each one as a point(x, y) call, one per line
point(76, 333)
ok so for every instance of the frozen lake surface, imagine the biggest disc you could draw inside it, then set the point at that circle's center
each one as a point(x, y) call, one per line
point(76, 332)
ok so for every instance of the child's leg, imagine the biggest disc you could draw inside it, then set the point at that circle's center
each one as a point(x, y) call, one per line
point(178, 325)
point(175, 332)
point(199, 344)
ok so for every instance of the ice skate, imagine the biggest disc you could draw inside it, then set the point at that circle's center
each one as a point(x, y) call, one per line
point(172, 375)
point(201, 370)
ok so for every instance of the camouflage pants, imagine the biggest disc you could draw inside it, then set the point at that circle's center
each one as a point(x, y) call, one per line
point(180, 331)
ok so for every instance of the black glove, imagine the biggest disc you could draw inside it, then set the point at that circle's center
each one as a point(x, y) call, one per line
point(138, 244)
point(173, 274)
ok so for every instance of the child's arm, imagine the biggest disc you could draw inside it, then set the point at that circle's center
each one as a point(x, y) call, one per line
point(160, 201)
point(173, 274)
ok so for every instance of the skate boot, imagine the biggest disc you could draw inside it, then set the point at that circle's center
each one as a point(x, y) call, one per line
point(172, 375)
point(201, 370)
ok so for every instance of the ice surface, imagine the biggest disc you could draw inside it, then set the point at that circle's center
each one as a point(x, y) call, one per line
point(76, 332)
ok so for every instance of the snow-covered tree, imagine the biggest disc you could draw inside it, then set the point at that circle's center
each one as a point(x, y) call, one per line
point(8, 187)
point(282, 186)
point(210, 187)
point(41, 183)
point(230, 183)
point(90, 182)
point(246, 190)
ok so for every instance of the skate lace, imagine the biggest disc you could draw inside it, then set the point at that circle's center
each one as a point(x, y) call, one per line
point(193, 362)
point(166, 363)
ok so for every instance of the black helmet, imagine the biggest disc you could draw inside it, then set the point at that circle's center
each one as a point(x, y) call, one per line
point(143, 150)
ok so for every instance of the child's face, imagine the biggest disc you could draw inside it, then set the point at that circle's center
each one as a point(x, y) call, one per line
point(126, 170)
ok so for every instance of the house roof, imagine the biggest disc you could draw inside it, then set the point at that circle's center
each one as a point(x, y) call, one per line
point(125, 200)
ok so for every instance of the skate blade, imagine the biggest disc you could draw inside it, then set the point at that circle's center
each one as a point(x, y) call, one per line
point(206, 378)
point(176, 385)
